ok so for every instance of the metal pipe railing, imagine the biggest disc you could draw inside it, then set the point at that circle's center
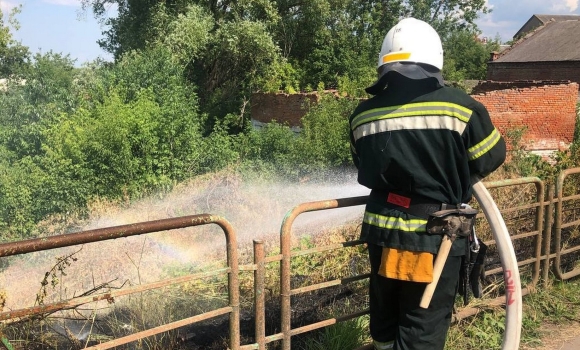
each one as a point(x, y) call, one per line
point(558, 226)
point(103, 234)
point(548, 204)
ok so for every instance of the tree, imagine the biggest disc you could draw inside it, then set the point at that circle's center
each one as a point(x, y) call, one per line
point(466, 55)
point(29, 108)
point(232, 48)
point(13, 56)
point(224, 47)
point(447, 16)
point(327, 40)
point(238, 57)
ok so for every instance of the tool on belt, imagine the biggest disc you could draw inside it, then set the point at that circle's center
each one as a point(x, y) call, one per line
point(473, 268)
point(450, 223)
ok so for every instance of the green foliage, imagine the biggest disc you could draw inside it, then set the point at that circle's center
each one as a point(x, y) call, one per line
point(144, 134)
point(283, 77)
point(218, 150)
point(188, 35)
point(323, 141)
point(28, 109)
point(355, 87)
point(574, 153)
point(329, 40)
point(346, 335)
point(238, 59)
point(17, 200)
point(13, 56)
point(274, 143)
point(118, 143)
point(466, 56)
point(523, 162)
point(119, 132)
point(488, 331)
point(324, 138)
point(177, 118)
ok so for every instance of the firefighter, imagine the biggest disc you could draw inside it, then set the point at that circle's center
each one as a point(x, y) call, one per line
point(417, 145)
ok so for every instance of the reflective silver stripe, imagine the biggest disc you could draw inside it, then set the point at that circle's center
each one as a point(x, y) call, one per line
point(379, 345)
point(484, 146)
point(433, 122)
point(394, 223)
point(413, 109)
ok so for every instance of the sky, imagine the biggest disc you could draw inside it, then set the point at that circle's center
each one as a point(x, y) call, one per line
point(61, 25)
point(58, 25)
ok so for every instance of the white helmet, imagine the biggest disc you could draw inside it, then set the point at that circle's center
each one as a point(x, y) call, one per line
point(412, 40)
point(411, 48)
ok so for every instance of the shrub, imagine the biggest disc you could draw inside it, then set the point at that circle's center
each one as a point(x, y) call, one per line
point(325, 135)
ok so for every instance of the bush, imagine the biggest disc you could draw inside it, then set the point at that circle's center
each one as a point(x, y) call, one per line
point(325, 136)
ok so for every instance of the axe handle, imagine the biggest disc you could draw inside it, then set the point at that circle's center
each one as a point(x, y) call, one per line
point(442, 255)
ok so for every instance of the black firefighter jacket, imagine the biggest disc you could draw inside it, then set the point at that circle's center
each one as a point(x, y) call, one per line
point(418, 138)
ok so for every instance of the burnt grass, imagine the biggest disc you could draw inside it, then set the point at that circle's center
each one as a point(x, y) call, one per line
point(306, 308)
point(212, 334)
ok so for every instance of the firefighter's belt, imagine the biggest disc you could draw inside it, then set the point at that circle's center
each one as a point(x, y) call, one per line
point(411, 204)
point(452, 222)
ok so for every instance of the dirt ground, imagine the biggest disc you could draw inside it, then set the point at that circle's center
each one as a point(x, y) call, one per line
point(556, 337)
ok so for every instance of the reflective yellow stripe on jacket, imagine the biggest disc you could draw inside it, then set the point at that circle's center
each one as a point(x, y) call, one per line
point(485, 145)
point(424, 115)
point(395, 223)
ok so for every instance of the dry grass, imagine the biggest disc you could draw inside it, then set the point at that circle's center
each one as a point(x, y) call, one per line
point(256, 210)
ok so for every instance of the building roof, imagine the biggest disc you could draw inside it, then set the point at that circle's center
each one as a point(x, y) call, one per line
point(554, 41)
point(547, 18)
point(537, 20)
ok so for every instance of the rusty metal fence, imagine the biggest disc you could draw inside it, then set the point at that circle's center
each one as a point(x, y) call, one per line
point(91, 236)
point(549, 243)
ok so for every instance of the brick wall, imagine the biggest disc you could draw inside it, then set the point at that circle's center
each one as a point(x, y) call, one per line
point(283, 108)
point(544, 71)
point(546, 108)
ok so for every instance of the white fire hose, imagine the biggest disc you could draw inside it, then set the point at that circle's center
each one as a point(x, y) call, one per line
point(511, 273)
point(513, 289)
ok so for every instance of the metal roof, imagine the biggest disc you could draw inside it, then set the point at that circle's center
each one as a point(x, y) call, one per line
point(554, 41)
point(538, 20)
point(557, 18)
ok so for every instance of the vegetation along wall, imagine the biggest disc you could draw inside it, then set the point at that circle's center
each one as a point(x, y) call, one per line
point(280, 107)
point(545, 111)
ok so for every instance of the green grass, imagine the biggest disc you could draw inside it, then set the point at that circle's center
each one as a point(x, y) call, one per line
point(346, 335)
point(556, 305)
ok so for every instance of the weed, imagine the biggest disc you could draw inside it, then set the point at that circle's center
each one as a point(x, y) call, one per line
point(345, 335)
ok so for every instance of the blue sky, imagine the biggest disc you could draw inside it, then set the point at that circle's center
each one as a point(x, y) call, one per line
point(508, 16)
point(60, 26)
